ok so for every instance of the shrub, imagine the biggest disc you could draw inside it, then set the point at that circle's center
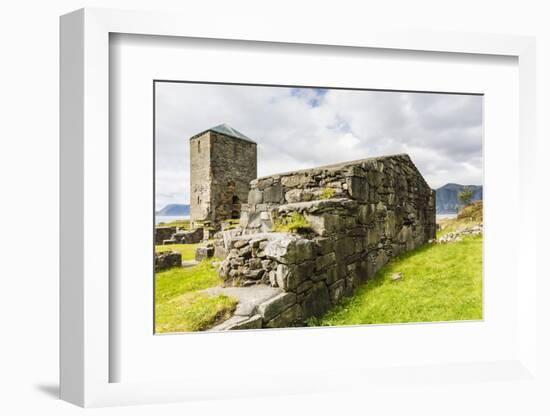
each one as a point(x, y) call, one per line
point(465, 196)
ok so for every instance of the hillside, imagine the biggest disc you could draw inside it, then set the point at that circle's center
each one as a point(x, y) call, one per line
point(174, 210)
point(446, 197)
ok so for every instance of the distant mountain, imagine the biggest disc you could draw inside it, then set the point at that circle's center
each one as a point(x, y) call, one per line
point(446, 197)
point(174, 210)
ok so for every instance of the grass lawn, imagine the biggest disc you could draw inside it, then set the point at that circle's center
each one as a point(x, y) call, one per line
point(441, 282)
point(187, 250)
point(179, 305)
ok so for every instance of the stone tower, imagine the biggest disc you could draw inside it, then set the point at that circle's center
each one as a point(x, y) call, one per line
point(223, 162)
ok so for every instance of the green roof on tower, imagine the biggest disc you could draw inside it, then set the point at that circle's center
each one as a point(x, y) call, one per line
point(226, 130)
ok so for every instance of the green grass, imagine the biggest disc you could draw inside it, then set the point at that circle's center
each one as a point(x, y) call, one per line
point(187, 250)
point(179, 305)
point(294, 223)
point(441, 282)
point(176, 223)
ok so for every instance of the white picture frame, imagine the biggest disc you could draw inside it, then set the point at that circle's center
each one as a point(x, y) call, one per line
point(85, 212)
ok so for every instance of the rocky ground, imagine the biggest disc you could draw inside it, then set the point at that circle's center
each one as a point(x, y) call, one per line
point(454, 236)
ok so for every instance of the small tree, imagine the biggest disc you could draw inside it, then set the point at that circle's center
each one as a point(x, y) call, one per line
point(465, 196)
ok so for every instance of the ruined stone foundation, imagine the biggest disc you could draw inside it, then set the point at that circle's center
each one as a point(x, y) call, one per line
point(352, 219)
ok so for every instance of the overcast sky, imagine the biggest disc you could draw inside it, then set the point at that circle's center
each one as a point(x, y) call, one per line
point(306, 127)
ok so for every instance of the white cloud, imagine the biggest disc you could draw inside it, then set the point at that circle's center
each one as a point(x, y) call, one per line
point(304, 128)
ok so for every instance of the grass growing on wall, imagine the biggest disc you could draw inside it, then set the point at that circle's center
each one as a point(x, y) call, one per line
point(442, 282)
point(181, 306)
point(327, 193)
point(294, 223)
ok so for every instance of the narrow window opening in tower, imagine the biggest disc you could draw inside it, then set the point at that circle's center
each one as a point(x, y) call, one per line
point(199, 146)
point(198, 199)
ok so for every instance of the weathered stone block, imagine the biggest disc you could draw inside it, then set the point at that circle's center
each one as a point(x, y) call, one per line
point(405, 234)
point(317, 301)
point(381, 259)
point(240, 243)
point(220, 251)
point(282, 273)
point(290, 277)
point(341, 269)
point(294, 195)
point(337, 290)
point(329, 275)
point(253, 274)
point(294, 180)
point(308, 284)
point(167, 260)
point(303, 271)
point(189, 237)
point(240, 322)
point(323, 245)
point(320, 224)
point(263, 183)
point(282, 250)
point(202, 253)
point(164, 233)
point(372, 236)
point(273, 193)
point(322, 262)
point(245, 252)
point(255, 196)
point(389, 225)
point(299, 195)
point(305, 250)
point(289, 317)
point(358, 188)
point(274, 306)
point(272, 275)
point(352, 282)
point(344, 247)
point(255, 263)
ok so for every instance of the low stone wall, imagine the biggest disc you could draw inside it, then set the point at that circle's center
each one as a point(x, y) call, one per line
point(354, 217)
point(167, 260)
point(174, 235)
point(164, 233)
point(188, 237)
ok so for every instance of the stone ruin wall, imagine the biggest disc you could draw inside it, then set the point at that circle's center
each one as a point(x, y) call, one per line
point(360, 215)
